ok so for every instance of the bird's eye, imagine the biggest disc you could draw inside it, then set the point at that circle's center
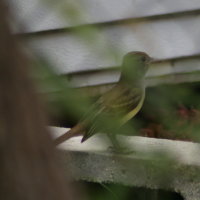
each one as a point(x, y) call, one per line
point(143, 58)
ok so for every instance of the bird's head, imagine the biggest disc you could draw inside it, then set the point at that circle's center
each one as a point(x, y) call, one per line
point(135, 65)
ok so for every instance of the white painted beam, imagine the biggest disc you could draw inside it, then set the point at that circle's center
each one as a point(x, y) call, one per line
point(38, 15)
point(161, 39)
point(177, 71)
point(154, 163)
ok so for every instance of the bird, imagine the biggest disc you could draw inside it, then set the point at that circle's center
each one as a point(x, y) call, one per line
point(124, 100)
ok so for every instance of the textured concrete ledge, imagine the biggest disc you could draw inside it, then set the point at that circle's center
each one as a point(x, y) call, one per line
point(154, 163)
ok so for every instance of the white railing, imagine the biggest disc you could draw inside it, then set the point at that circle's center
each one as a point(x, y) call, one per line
point(153, 163)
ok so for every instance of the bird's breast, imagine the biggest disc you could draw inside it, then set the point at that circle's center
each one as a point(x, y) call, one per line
point(132, 113)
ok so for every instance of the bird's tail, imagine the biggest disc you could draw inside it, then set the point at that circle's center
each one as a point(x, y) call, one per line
point(74, 131)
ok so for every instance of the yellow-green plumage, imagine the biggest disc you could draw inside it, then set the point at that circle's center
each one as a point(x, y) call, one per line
point(124, 100)
point(133, 112)
point(127, 97)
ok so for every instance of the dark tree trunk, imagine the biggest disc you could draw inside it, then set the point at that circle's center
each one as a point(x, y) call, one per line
point(28, 165)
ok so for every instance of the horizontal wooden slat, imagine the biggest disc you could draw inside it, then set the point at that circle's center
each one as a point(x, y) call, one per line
point(96, 90)
point(158, 73)
point(97, 82)
point(162, 39)
point(40, 15)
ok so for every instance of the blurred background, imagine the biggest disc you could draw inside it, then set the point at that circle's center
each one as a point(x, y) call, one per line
point(76, 48)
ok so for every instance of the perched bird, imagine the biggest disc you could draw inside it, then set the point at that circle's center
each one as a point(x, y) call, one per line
point(122, 102)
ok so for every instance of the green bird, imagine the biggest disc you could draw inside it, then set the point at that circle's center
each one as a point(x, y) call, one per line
point(122, 102)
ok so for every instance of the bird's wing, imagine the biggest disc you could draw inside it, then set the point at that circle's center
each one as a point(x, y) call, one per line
point(121, 99)
point(118, 102)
